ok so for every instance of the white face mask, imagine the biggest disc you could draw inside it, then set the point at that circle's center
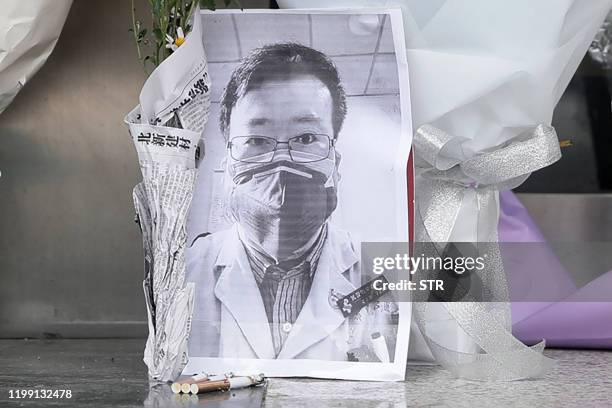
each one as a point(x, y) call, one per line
point(281, 205)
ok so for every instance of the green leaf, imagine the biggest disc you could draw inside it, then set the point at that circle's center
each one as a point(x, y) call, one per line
point(159, 36)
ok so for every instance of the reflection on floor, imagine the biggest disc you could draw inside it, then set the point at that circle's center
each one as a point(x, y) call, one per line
point(110, 373)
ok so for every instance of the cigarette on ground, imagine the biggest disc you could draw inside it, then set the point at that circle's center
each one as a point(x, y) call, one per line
point(227, 384)
point(215, 378)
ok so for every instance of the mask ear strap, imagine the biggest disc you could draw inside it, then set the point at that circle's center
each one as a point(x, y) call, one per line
point(227, 188)
point(334, 177)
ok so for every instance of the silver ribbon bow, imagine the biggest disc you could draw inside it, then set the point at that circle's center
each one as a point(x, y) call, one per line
point(455, 184)
point(453, 176)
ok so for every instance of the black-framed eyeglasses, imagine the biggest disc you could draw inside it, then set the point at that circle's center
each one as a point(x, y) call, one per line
point(305, 148)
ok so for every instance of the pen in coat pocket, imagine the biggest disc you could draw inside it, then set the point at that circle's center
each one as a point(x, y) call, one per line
point(379, 345)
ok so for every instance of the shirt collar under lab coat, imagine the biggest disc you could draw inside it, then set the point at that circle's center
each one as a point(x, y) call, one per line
point(237, 289)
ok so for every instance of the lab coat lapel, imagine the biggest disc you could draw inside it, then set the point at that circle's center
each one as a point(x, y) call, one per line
point(318, 319)
point(237, 290)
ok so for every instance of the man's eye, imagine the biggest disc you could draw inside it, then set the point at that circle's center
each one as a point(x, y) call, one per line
point(255, 141)
point(306, 138)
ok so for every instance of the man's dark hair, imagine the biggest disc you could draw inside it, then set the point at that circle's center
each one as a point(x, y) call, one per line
point(283, 60)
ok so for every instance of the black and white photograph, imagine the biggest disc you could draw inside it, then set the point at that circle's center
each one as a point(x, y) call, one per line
point(305, 203)
point(306, 155)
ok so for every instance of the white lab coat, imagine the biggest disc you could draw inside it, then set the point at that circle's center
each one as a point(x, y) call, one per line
point(229, 318)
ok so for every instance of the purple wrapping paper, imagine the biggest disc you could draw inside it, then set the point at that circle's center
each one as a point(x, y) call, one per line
point(574, 320)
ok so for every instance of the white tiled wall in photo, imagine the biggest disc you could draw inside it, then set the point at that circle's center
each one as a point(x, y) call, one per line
point(384, 78)
point(220, 27)
point(258, 30)
point(354, 71)
point(361, 46)
point(330, 34)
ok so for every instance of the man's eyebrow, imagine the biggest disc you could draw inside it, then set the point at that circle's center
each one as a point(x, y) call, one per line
point(308, 118)
point(259, 121)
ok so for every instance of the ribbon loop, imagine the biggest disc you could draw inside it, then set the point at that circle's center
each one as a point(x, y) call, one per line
point(505, 166)
point(445, 187)
point(534, 150)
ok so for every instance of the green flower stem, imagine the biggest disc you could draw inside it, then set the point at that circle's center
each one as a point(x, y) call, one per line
point(164, 22)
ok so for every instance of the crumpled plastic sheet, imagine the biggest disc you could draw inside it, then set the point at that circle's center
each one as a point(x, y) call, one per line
point(29, 31)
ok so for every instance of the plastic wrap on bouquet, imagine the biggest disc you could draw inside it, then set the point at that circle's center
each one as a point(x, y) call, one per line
point(489, 75)
point(166, 129)
point(28, 33)
point(571, 316)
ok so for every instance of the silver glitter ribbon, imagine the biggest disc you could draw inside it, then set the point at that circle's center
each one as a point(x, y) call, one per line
point(453, 180)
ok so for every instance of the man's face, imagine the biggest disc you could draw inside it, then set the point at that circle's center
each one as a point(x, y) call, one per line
point(280, 199)
point(284, 109)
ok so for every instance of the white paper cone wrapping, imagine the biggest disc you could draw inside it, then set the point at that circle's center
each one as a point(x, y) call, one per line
point(28, 33)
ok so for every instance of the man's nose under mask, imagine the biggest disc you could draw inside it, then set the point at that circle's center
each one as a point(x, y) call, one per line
point(281, 206)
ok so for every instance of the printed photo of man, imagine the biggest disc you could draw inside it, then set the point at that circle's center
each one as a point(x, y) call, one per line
point(266, 288)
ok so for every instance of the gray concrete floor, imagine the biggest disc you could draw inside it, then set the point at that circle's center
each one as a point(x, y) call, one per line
point(104, 373)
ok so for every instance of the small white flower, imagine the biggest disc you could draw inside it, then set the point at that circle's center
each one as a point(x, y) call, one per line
point(172, 43)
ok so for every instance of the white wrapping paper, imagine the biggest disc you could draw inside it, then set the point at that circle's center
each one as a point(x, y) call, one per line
point(28, 33)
